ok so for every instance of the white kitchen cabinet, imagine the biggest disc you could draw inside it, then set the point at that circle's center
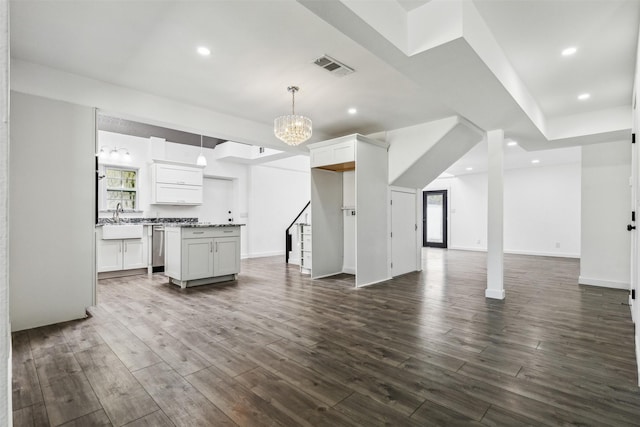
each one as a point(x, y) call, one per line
point(226, 255)
point(172, 173)
point(127, 254)
point(109, 255)
point(338, 157)
point(202, 255)
point(197, 258)
point(178, 194)
point(134, 254)
point(176, 183)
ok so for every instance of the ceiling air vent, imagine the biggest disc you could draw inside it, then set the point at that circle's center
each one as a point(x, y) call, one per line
point(334, 67)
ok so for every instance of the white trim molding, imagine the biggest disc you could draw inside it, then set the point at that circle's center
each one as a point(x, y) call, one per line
point(512, 252)
point(614, 284)
point(262, 254)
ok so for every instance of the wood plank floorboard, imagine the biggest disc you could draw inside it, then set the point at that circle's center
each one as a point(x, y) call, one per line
point(277, 348)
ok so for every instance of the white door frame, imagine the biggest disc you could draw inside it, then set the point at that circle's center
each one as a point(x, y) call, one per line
point(417, 194)
point(633, 285)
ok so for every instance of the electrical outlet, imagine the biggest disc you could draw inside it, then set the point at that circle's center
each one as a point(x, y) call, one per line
point(557, 244)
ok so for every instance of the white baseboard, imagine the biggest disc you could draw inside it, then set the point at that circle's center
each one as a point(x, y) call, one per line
point(326, 275)
point(603, 283)
point(373, 283)
point(263, 254)
point(533, 253)
point(551, 254)
point(494, 293)
point(631, 307)
point(465, 248)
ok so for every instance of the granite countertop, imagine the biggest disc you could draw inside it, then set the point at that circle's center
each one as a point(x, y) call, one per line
point(201, 225)
point(145, 221)
point(167, 222)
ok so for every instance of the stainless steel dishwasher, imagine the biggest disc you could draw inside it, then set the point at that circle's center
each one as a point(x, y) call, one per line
point(157, 243)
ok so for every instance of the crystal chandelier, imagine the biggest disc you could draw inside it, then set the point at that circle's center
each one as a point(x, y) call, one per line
point(292, 129)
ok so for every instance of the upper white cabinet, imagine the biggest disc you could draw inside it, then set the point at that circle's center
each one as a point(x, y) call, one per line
point(176, 183)
point(177, 174)
point(336, 157)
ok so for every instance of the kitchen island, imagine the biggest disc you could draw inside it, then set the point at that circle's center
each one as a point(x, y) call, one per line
point(200, 253)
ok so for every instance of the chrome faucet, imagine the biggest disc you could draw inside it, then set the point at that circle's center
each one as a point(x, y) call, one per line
point(116, 214)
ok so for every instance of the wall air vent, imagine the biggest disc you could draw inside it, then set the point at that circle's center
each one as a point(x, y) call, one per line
point(333, 66)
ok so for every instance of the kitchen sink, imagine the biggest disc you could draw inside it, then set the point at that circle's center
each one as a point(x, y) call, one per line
point(121, 231)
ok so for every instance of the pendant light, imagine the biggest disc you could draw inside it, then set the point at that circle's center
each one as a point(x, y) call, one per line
point(202, 160)
point(292, 129)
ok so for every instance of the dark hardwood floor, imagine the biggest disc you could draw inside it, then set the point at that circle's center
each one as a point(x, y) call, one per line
point(276, 348)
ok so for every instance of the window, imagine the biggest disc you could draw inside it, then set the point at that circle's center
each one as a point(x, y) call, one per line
point(121, 187)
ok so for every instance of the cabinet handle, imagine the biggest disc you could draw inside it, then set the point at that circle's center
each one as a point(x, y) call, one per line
point(216, 247)
point(120, 248)
point(198, 232)
point(210, 247)
point(180, 182)
point(228, 231)
point(125, 246)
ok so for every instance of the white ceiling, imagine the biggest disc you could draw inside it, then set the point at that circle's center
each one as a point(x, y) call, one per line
point(261, 47)
point(258, 49)
point(533, 34)
point(515, 157)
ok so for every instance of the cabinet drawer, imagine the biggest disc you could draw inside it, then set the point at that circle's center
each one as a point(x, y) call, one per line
point(175, 174)
point(178, 194)
point(196, 232)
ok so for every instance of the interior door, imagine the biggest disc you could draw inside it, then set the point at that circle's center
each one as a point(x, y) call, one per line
point(434, 219)
point(404, 246)
point(217, 203)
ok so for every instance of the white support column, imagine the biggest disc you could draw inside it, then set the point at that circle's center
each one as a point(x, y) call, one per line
point(495, 226)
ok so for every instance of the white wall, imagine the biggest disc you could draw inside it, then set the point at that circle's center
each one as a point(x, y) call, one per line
point(541, 210)
point(52, 175)
point(606, 211)
point(278, 191)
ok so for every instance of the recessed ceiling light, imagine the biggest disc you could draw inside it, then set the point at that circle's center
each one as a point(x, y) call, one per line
point(535, 161)
point(469, 168)
point(569, 51)
point(204, 51)
point(512, 143)
point(584, 96)
point(352, 110)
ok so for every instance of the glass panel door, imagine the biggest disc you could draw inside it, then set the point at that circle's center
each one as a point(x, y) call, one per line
point(434, 224)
